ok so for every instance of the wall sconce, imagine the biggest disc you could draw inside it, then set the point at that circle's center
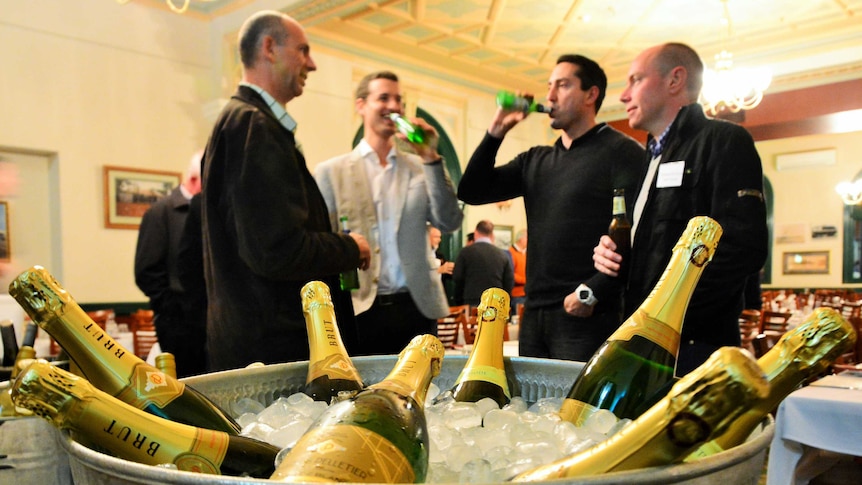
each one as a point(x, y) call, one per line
point(850, 192)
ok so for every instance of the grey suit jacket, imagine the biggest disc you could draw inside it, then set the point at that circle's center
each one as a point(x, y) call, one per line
point(425, 194)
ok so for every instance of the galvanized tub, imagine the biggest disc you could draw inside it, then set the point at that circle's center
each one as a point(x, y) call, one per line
point(530, 378)
point(30, 453)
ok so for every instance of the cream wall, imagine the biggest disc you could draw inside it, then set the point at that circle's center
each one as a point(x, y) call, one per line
point(92, 83)
point(807, 196)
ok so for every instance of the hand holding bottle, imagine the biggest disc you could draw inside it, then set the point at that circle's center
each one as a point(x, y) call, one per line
point(419, 134)
point(364, 250)
point(605, 257)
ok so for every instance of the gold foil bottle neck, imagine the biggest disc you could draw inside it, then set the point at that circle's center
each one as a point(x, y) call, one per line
point(39, 294)
point(816, 342)
point(730, 376)
point(494, 304)
point(315, 294)
point(430, 347)
point(46, 390)
point(701, 237)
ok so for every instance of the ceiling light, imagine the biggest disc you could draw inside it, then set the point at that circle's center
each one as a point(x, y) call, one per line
point(729, 88)
point(850, 192)
point(172, 5)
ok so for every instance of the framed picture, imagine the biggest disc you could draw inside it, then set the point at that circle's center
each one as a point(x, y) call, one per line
point(503, 236)
point(129, 192)
point(5, 242)
point(806, 262)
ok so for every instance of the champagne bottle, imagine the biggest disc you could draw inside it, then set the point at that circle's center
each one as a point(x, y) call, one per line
point(71, 402)
point(637, 361)
point(702, 404)
point(106, 363)
point(413, 133)
point(801, 353)
point(620, 230)
point(349, 280)
point(377, 436)
point(167, 363)
point(10, 343)
point(330, 369)
point(512, 102)
point(483, 374)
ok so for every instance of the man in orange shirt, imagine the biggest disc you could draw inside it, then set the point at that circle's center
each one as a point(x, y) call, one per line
point(518, 250)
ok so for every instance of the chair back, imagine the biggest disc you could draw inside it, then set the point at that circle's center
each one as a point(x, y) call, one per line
point(749, 327)
point(144, 341)
point(449, 326)
point(776, 322)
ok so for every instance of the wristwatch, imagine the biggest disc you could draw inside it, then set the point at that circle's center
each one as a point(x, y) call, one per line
point(585, 295)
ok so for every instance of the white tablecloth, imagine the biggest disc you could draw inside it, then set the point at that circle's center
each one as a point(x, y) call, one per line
point(821, 417)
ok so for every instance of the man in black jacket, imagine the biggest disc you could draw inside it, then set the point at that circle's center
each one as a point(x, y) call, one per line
point(480, 266)
point(266, 229)
point(698, 166)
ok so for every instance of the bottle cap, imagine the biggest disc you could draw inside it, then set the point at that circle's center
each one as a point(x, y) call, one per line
point(315, 294)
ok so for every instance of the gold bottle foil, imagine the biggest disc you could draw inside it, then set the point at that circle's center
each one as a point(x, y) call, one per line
point(801, 353)
point(327, 355)
point(701, 405)
point(486, 359)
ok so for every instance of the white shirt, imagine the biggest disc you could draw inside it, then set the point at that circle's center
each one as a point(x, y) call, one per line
point(382, 182)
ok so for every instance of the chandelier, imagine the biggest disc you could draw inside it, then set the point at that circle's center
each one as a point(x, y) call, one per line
point(850, 192)
point(729, 88)
point(177, 6)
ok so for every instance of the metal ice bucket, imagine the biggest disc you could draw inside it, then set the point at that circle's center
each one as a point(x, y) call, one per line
point(530, 378)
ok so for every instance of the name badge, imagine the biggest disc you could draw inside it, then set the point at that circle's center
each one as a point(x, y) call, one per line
point(670, 174)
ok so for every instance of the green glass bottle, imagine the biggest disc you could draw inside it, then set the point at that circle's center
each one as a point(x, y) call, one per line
point(348, 280)
point(10, 343)
point(484, 374)
point(512, 102)
point(702, 404)
point(377, 436)
point(330, 370)
point(628, 371)
point(107, 364)
point(413, 133)
point(802, 353)
point(71, 402)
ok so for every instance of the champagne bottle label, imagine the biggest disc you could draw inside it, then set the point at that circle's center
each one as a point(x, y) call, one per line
point(655, 331)
point(149, 386)
point(335, 366)
point(487, 373)
point(707, 449)
point(108, 426)
point(576, 412)
point(345, 453)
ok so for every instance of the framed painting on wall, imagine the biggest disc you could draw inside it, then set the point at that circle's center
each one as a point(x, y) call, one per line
point(129, 192)
point(503, 236)
point(806, 262)
point(5, 241)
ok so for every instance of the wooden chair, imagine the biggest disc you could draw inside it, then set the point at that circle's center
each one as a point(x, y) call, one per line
point(142, 320)
point(776, 322)
point(144, 341)
point(449, 326)
point(762, 342)
point(749, 327)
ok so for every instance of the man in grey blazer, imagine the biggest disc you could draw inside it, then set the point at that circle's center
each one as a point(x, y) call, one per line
point(390, 196)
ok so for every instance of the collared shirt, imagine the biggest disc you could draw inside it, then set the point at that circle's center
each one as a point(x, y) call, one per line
point(384, 191)
point(278, 111)
point(656, 145)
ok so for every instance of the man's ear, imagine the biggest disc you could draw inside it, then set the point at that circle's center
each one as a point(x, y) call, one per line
point(677, 80)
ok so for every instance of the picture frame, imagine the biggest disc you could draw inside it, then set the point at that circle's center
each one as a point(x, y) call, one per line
point(806, 262)
point(130, 192)
point(5, 237)
point(503, 236)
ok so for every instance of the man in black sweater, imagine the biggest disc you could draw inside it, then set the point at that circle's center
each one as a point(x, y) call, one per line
point(568, 193)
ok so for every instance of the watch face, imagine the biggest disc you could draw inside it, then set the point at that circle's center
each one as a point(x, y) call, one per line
point(584, 295)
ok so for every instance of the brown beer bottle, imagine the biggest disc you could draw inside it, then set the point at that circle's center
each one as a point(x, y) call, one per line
point(620, 230)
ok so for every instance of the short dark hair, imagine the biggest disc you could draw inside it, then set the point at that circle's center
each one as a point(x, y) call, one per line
point(362, 89)
point(485, 227)
point(675, 54)
point(590, 74)
point(260, 25)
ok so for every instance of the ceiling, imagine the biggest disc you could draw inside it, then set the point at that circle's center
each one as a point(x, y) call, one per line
point(488, 44)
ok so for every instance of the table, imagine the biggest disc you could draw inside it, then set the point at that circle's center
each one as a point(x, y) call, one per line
point(828, 418)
